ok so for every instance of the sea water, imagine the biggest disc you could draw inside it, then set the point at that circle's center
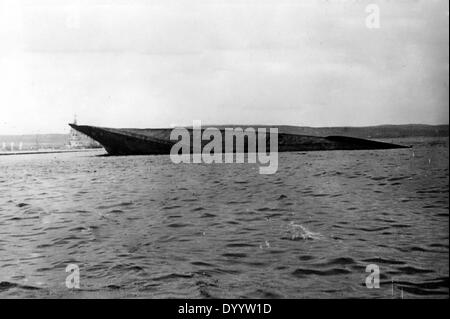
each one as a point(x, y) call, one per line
point(142, 226)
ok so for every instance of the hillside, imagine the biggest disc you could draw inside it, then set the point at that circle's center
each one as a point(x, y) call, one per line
point(381, 131)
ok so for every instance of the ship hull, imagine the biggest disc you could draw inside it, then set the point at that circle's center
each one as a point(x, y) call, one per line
point(157, 141)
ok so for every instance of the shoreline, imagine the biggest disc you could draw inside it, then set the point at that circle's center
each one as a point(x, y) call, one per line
point(48, 151)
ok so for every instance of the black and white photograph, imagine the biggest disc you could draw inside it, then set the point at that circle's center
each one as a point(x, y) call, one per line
point(204, 150)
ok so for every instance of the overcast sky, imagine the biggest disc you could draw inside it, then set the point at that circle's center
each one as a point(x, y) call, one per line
point(160, 63)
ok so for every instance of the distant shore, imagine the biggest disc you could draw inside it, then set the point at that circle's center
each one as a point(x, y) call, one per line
point(48, 151)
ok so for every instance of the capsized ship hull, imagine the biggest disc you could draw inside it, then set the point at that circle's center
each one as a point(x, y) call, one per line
point(157, 141)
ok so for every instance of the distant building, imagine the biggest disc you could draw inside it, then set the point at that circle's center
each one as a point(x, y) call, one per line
point(79, 140)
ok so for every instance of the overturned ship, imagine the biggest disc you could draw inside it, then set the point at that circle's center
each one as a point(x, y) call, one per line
point(157, 141)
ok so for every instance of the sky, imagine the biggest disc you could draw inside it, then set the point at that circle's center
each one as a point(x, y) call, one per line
point(151, 63)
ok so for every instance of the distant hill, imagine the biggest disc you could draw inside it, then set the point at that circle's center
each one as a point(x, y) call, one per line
point(381, 131)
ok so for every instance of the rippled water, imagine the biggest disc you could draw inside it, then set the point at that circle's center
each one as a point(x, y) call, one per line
point(141, 226)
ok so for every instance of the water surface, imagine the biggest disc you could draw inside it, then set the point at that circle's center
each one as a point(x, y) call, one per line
point(141, 226)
